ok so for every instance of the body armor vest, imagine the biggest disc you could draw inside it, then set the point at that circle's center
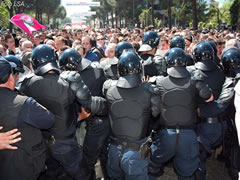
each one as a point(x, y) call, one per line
point(129, 112)
point(53, 92)
point(214, 77)
point(94, 79)
point(28, 160)
point(149, 65)
point(178, 107)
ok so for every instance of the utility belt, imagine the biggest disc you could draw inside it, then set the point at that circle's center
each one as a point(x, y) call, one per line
point(179, 127)
point(211, 120)
point(125, 145)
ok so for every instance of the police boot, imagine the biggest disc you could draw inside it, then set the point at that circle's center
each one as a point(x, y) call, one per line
point(200, 175)
point(154, 170)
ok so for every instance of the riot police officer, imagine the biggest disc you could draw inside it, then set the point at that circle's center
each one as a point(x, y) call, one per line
point(180, 43)
point(210, 130)
point(131, 103)
point(61, 95)
point(177, 138)
point(24, 113)
point(152, 65)
point(97, 126)
point(111, 69)
point(231, 64)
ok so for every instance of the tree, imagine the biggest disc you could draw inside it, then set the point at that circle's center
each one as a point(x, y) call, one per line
point(235, 13)
point(4, 16)
point(194, 14)
point(169, 14)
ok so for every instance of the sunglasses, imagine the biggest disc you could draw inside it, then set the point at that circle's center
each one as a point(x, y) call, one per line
point(101, 39)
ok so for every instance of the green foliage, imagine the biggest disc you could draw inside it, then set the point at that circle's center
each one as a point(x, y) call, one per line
point(4, 16)
point(145, 17)
point(157, 22)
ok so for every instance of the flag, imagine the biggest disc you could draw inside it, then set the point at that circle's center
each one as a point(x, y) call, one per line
point(26, 23)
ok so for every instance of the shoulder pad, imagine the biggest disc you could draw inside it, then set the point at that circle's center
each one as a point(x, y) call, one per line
point(158, 79)
point(191, 68)
point(197, 75)
point(151, 88)
point(160, 64)
point(149, 60)
point(27, 76)
point(158, 59)
point(108, 84)
point(96, 65)
point(71, 76)
point(152, 79)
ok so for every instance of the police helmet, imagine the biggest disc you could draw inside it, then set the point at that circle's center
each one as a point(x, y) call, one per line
point(129, 63)
point(178, 42)
point(44, 59)
point(70, 60)
point(129, 69)
point(176, 61)
point(124, 45)
point(213, 45)
point(231, 61)
point(17, 61)
point(203, 51)
point(150, 40)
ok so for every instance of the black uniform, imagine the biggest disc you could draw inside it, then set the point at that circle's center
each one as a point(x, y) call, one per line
point(97, 126)
point(29, 117)
point(209, 126)
point(130, 104)
point(177, 138)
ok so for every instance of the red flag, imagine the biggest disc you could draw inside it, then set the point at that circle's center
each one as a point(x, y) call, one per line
point(26, 23)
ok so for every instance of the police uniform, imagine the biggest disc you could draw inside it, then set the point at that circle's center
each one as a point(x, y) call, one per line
point(177, 138)
point(92, 74)
point(59, 96)
point(210, 130)
point(97, 129)
point(130, 103)
point(28, 117)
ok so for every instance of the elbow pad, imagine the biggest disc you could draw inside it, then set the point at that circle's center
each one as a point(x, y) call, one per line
point(204, 90)
point(155, 105)
point(76, 84)
point(98, 105)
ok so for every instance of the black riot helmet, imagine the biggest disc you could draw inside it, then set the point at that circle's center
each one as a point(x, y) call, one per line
point(213, 45)
point(203, 51)
point(129, 63)
point(176, 63)
point(129, 69)
point(124, 45)
point(19, 66)
point(150, 40)
point(44, 59)
point(231, 62)
point(70, 60)
point(178, 42)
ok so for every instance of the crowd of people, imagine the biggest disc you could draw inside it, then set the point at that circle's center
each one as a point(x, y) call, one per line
point(133, 99)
